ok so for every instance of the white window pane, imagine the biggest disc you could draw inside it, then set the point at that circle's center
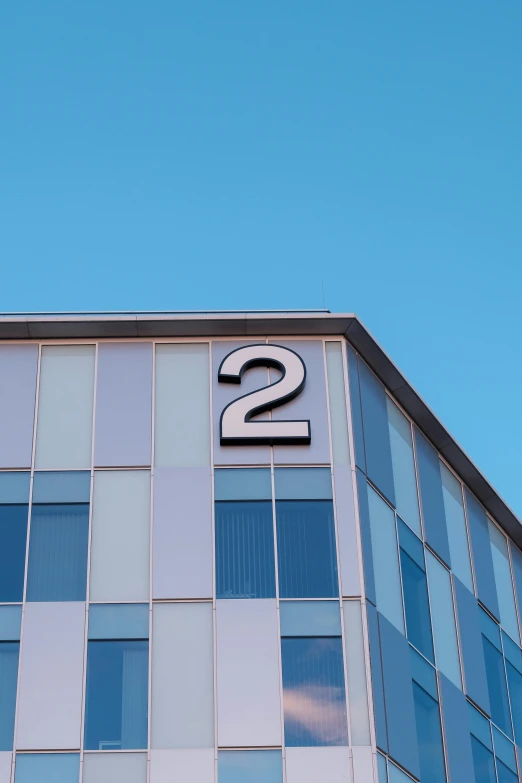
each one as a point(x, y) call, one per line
point(337, 402)
point(406, 498)
point(182, 399)
point(112, 767)
point(182, 676)
point(65, 405)
point(456, 526)
point(443, 620)
point(356, 666)
point(506, 598)
point(120, 536)
point(385, 560)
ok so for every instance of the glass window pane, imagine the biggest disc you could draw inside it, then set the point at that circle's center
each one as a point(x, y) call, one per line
point(482, 558)
point(385, 559)
point(376, 432)
point(14, 487)
point(10, 623)
point(405, 483)
point(66, 395)
point(116, 695)
point(483, 762)
point(396, 775)
point(497, 688)
point(250, 766)
point(337, 402)
point(182, 420)
point(456, 526)
point(306, 549)
point(515, 695)
point(504, 749)
point(416, 605)
point(310, 618)
point(119, 621)
point(381, 769)
point(423, 674)
point(355, 405)
point(313, 692)
point(242, 484)
point(58, 552)
point(13, 537)
point(479, 726)
point(47, 768)
point(431, 497)
point(505, 775)
point(114, 768)
point(303, 484)
point(62, 486)
point(443, 619)
point(429, 736)
point(245, 564)
point(356, 668)
point(8, 681)
point(506, 597)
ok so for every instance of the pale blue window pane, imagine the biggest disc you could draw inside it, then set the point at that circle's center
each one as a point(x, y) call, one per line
point(119, 621)
point(116, 695)
point(310, 618)
point(385, 560)
point(376, 433)
point(313, 692)
point(14, 486)
point(481, 549)
point(416, 604)
point(423, 674)
point(431, 497)
point(479, 726)
point(9, 652)
point(497, 687)
point(504, 750)
point(505, 775)
point(245, 560)
point(381, 769)
point(306, 549)
point(10, 623)
point(250, 766)
point(506, 597)
point(406, 499)
point(71, 486)
point(483, 763)
point(456, 526)
point(355, 404)
point(13, 538)
point(396, 775)
point(429, 736)
point(58, 552)
point(514, 677)
point(303, 484)
point(356, 674)
point(242, 484)
point(443, 619)
point(47, 768)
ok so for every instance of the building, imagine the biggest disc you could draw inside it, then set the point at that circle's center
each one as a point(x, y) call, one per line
point(327, 593)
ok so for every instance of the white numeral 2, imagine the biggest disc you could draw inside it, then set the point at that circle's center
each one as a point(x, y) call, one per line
point(236, 427)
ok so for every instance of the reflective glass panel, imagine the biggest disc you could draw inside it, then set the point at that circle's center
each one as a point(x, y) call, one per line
point(416, 605)
point(245, 564)
point(385, 559)
point(381, 769)
point(250, 766)
point(443, 618)
point(497, 688)
point(515, 695)
point(505, 594)
point(429, 736)
point(483, 762)
point(456, 526)
point(58, 552)
point(376, 432)
point(13, 536)
point(504, 774)
point(116, 695)
point(8, 681)
point(306, 549)
point(406, 499)
point(47, 768)
point(313, 692)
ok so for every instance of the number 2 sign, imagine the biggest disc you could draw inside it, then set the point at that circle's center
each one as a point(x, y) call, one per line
point(236, 425)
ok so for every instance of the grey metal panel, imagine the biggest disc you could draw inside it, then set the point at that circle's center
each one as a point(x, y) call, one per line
point(456, 732)
point(123, 405)
point(310, 404)
point(225, 393)
point(362, 759)
point(18, 365)
point(347, 531)
point(475, 681)
point(398, 697)
point(113, 767)
point(182, 533)
point(5, 766)
point(317, 765)
point(51, 673)
point(185, 766)
point(248, 676)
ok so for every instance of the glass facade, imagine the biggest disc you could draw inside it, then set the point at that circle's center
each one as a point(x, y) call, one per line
point(175, 609)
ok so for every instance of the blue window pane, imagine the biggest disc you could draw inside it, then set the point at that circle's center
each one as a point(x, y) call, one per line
point(504, 750)
point(456, 526)
point(303, 483)
point(250, 766)
point(313, 692)
point(429, 736)
point(306, 549)
point(432, 497)
point(423, 674)
point(504, 774)
point(483, 763)
point(515, 695)
point(310, 618)
point(242, 484)
point(119, 621)
point(403, 467)
point(355, 400)
point(10, 623)
point(497, 688)
point(381, 769)
point(479, 727)
point(47, 768)
point(376, 433)
point(503, 582)
point(58, 552)
point(14, 487)
point(444, 628)
point(416, 605)
point(70, 486)
point(13, 536)
point(481, 548)
point(385, 559)
point(117, 695)
point(245, 564)
point(8, 679)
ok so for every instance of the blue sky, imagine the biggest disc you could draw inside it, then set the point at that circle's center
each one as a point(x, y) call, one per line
point(232, 154)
